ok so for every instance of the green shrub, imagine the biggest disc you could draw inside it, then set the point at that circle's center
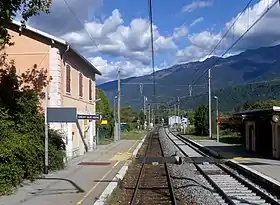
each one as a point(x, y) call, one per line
point(22, 157)
point(22, 128)
point(56, 150)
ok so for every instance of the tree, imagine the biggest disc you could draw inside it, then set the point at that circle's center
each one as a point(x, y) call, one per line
point(161, 113)
point(22, 127)
point(201, 120)
point(103, 108)
point(261, 104)
point(10, 8)
point(129, 117)
point(190, 115)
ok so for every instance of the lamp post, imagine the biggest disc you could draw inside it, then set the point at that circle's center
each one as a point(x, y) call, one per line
point(115, 121)
point(209, 104)
point(145, 112)
point(217, 111)
point(96, 129)
point(119, 104)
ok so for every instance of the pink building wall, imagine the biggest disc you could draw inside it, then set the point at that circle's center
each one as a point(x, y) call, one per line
point(31, 48)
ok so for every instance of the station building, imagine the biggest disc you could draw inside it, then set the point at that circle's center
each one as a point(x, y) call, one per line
point(72, 84)
point(262, 131)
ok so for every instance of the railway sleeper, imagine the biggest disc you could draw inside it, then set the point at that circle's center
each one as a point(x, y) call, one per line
point(156, 160)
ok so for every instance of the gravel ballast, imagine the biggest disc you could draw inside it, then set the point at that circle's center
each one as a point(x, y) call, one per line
point(187, 182)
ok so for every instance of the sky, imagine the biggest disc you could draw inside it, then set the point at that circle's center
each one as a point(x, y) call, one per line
point(116, 33)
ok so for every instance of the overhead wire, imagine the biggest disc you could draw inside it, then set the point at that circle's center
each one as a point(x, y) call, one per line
point(216, 46)
point(152, 43)
point(238, 39)
point(79, 21)
point(227, 31)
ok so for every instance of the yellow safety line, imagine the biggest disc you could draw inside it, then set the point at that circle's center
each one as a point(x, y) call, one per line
point(89, 192)
point(132, 146)
point(108, 172)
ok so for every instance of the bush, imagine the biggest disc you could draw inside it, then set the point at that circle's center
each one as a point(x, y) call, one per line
point(22, 130)
point(22, 157)
point(201, 120)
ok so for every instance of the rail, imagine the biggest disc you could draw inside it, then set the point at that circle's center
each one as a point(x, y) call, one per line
point(140, 175)
point(228, 199)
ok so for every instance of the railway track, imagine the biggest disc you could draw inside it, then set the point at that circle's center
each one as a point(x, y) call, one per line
point(154, 185)
point(230, 187)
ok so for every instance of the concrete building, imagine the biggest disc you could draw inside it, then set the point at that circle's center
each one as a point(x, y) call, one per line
point(184, 122)
point(262, 131)
point(72, 84)
point(177, 120)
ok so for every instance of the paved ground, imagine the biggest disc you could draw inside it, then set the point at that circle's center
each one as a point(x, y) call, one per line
point(77, 184)
point(267, 167)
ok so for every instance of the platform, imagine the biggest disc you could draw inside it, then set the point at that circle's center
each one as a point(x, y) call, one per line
point(267, 167)
point(82, 182)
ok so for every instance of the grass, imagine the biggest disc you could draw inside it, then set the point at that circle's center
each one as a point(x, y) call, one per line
point(133, 135)
point(114, 198)
point(233, 140)
point(105, 141)
point(228, 138)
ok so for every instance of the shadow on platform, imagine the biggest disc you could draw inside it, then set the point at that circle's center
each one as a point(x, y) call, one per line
point(48, 191)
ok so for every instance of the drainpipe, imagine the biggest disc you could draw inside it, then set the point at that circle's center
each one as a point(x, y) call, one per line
point(67, 49)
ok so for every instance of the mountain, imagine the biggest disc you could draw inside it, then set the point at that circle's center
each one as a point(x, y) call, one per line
point(249, 66)
point(230, 98)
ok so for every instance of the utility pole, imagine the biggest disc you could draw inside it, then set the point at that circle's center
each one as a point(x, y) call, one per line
point(209, 104)
point(115, 109)
point(46, 168)
point(217, 113)
point(119, 103)
point(149, 115)
point(190, 90)
point(115, 121)
point(144, 102)
point(153, 116)
point(157, 115)
point(178, 109)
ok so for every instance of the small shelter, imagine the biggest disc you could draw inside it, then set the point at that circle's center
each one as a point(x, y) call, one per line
point(262, 130)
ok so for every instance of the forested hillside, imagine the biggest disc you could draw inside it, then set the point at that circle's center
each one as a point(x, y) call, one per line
point(233, 97)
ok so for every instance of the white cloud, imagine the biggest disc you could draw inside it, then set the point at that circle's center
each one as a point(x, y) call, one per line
point(109, 69)
point(113, 38)
point(129, 44)
point(196, 4)
point(196, 21)
point(263, 34)
point(64, 18)
point(200, 46)
point(180, 32)
point(102, 41)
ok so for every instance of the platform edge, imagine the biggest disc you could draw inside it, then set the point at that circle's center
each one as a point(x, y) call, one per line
point(268, 180)
point(119, 176)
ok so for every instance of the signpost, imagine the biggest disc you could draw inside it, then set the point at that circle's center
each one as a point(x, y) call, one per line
point(89, 117)
point(61, 114)
point(64, 115)
point(104, 122)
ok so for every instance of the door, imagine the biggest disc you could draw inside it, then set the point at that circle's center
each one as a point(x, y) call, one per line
point(276, 142)
point(251, 134)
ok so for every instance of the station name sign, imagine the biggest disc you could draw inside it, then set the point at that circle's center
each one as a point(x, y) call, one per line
point(89, 117)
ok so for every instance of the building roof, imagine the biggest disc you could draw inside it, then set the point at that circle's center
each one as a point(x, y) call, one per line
point(272, 109)
point(58, 40)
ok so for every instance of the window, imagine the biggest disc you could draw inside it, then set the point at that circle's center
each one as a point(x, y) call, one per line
point(68, 79)
point(81, 85)
point(89, 90)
